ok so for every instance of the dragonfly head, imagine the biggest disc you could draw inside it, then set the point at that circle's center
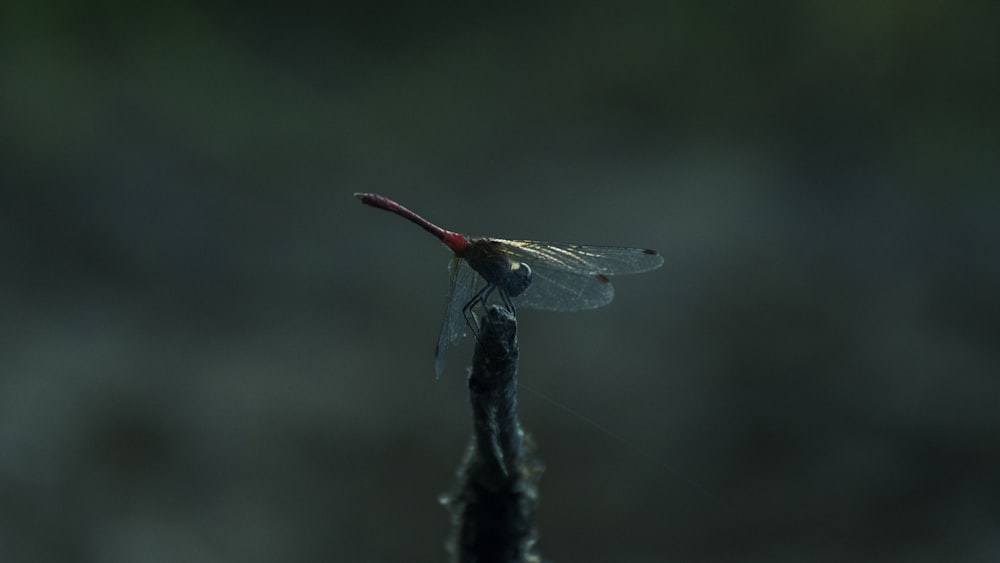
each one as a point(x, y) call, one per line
point(518, 278)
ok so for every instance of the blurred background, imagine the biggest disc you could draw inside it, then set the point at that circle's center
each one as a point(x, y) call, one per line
point(210, 351)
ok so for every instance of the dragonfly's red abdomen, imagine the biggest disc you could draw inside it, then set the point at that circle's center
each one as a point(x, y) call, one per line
point(457, 242)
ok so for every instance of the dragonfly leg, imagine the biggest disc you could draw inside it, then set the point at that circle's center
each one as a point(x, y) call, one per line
point(507, 302)
point(480, 297)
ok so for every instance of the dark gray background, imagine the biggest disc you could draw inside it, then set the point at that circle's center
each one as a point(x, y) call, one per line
point(211, 352)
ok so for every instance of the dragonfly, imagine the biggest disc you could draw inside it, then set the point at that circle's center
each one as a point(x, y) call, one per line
point(552, 276)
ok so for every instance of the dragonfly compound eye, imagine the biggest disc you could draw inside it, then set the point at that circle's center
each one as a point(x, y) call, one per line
point(518, 279)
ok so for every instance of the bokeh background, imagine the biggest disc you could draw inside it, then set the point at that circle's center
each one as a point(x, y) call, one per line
point(211, 352)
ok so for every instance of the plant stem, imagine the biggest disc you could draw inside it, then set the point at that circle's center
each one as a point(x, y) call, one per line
point(494, 504)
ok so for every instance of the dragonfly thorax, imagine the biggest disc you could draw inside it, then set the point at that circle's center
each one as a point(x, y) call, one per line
point(498, 268)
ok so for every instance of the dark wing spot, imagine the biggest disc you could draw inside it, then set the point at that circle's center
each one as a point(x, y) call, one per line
point(602, 278)
point(648, 251)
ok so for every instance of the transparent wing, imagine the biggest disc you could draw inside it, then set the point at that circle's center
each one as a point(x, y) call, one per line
point(572, 277)
point(582, 258)
point(462, 287)
point(559, 290)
